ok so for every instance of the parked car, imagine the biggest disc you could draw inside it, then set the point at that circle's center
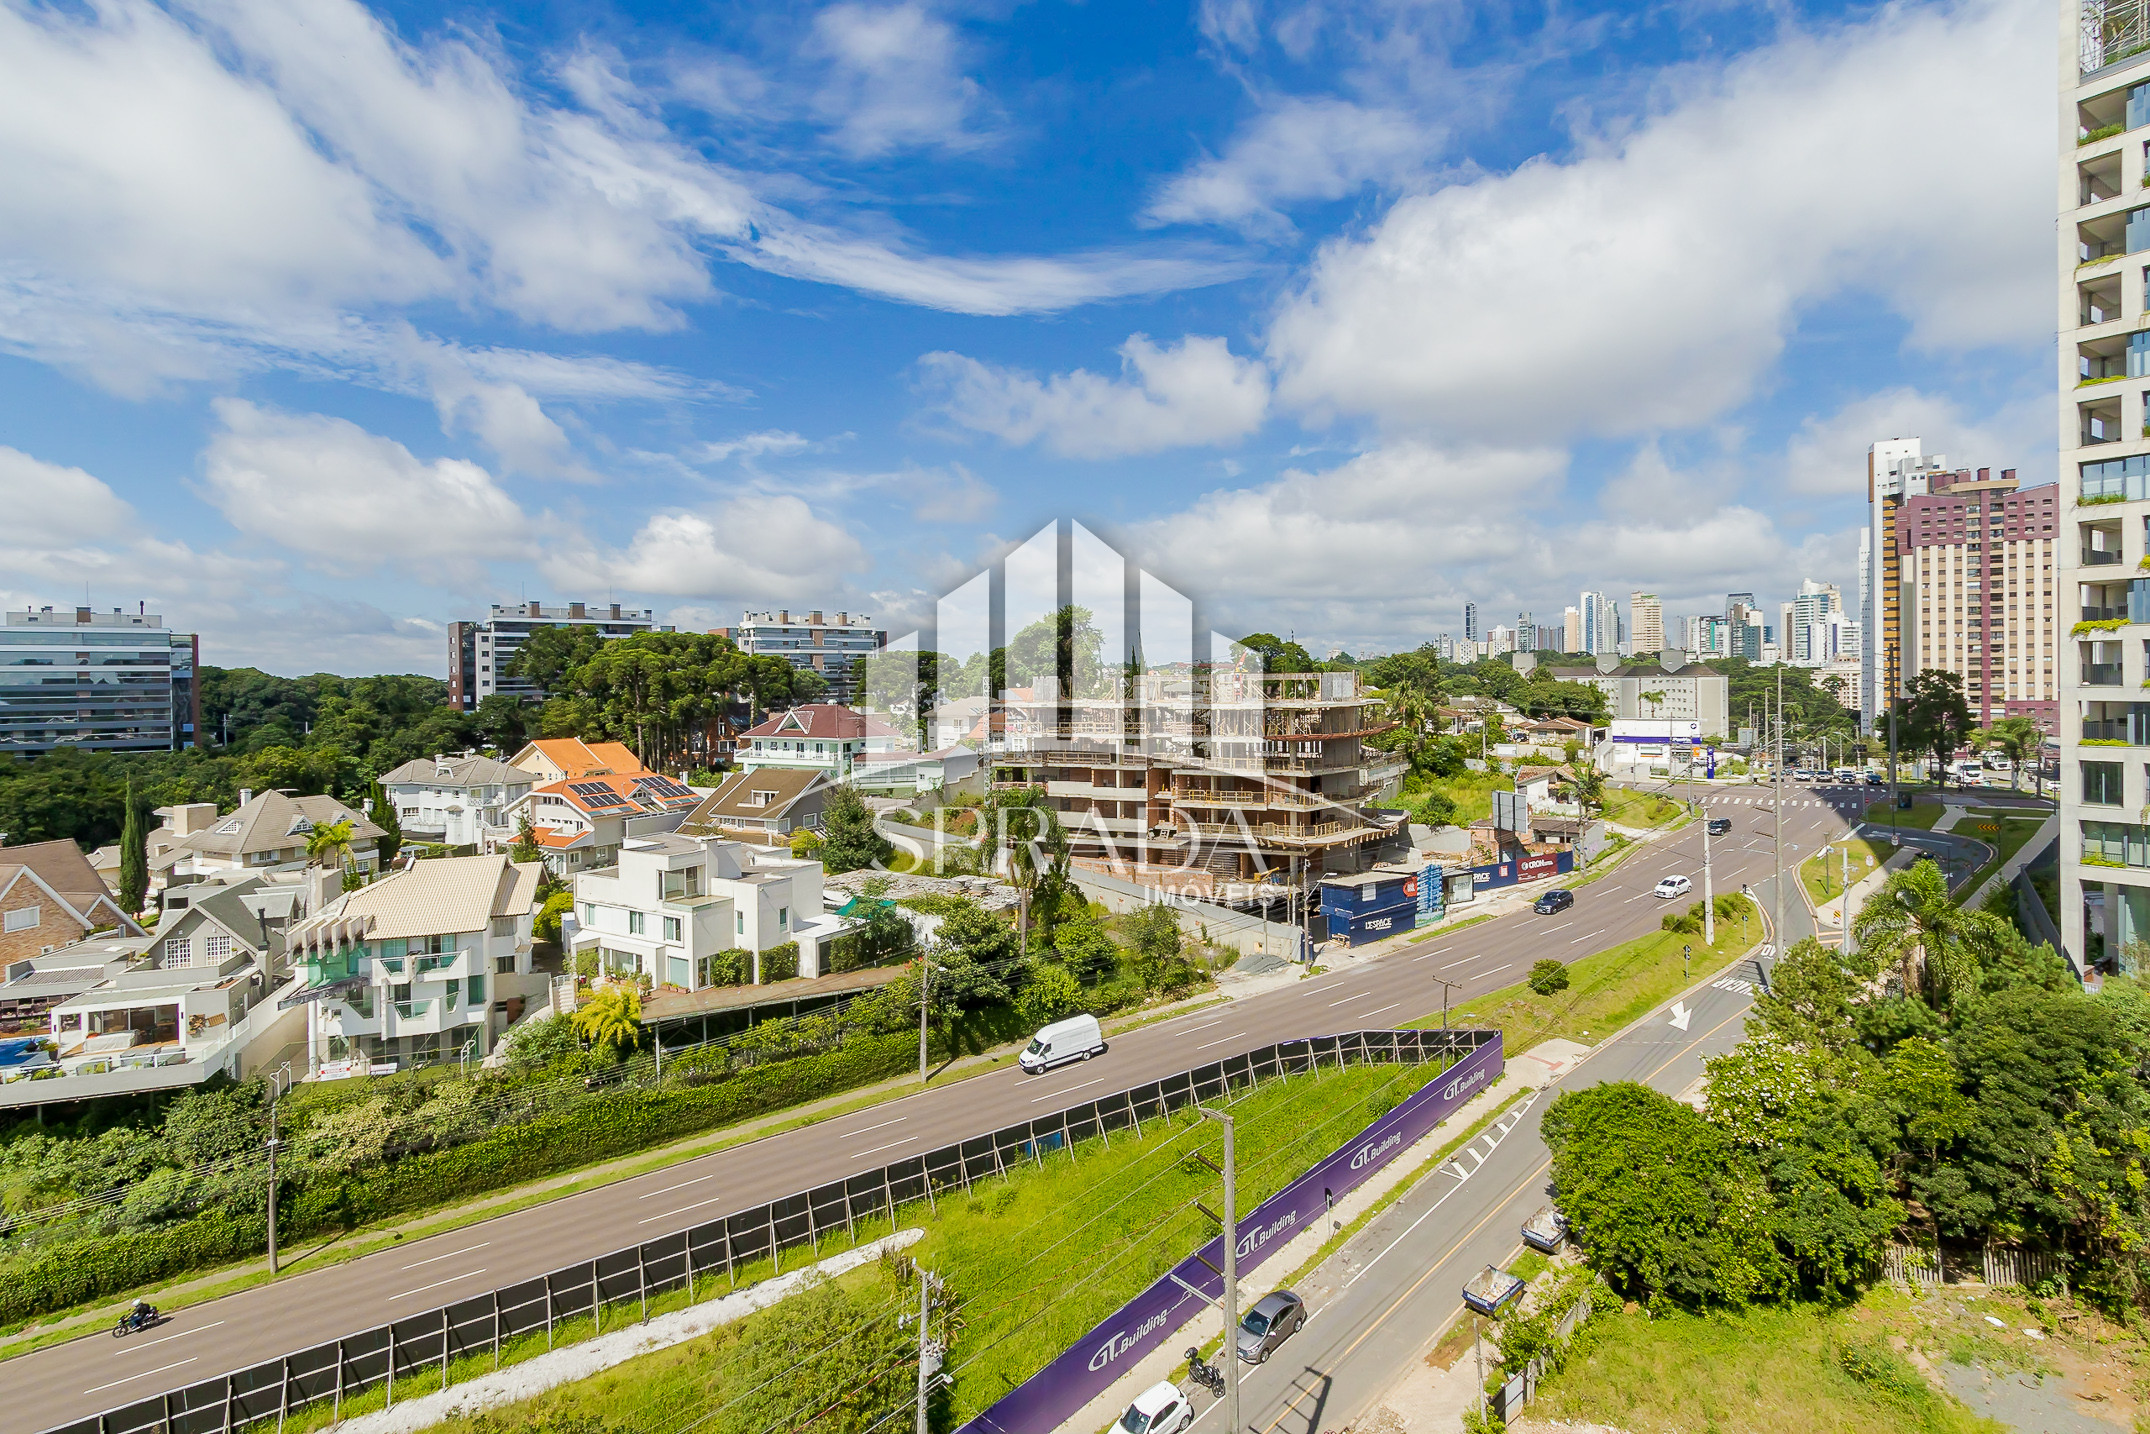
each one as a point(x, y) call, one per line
point(1673, 886)
point(1720, 825)
point(1557, 900)
point(1274, 1319)
point(1160, 1409)
point(1075, 1039)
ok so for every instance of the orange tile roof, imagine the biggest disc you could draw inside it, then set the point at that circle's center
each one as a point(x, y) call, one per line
point(579, 758)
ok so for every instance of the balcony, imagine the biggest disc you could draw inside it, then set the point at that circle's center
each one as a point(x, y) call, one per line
point(412, 1010)
point(2101, 424)
point(2098, 303)
point(2105, 614)
point(2101, 674)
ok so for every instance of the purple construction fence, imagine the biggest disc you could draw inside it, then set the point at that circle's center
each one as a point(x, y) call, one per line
point(1148, 1321)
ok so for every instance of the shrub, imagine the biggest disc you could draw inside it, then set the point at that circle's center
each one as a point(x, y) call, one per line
point(1051, 994)
point(729, 967)
point(780, 963)
point(586, 962)
point(1549, 976)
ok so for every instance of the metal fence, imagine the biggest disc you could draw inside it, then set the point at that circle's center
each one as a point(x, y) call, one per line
point(1996, 1266)
point(414, 1355)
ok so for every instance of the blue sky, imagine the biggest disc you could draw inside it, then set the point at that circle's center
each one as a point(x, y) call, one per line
point(321, 325)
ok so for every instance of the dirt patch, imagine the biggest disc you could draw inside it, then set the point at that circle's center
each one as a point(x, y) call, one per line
point(2051, 1366)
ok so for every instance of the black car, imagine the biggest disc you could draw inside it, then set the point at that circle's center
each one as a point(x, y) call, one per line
point(1553, 901)
point(1720, 825)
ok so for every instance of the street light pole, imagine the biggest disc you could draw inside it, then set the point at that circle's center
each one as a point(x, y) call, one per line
point(925, 983)
point(1231, 1276)
point(1709, 891)
point(1777, 774)
point(275, 1102)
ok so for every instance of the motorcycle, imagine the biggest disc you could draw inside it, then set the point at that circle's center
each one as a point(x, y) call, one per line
point(140, 1317)
point(1203, 1374)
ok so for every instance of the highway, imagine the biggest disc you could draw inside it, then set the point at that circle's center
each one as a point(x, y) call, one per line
point(307, 1306)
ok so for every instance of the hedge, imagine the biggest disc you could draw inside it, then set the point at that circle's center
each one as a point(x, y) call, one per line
point(622, 1123)
point(780, 963)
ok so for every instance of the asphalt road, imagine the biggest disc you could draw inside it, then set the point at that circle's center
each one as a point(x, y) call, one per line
point(304, 1308)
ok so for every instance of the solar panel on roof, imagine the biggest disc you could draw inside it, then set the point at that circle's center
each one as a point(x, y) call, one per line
point(664, 787)
point(598, 794)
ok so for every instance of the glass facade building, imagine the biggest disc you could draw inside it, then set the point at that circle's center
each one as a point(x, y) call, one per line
point(108, 681)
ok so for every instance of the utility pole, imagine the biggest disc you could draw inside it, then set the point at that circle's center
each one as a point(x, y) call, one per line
point(1777, 775)
point(925, 982)
point(929, 1353)
point(1231, 1275)
point(275, 1101)
point(1446, 987)
point(1709, 891)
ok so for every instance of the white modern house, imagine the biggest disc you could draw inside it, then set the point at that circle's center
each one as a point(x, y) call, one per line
point(674, 901)
point(418, 966)
point(454, 800)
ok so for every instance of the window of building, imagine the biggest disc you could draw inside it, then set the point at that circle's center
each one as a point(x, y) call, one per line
point(178, 950)
point(742, 916)
point(635, 921)
point(23, 918)
point(216, 948)
point(589, 914)
point(671, 928)
point(783, 918)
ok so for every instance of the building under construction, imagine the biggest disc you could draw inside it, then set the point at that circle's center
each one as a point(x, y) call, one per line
point(1218, 781)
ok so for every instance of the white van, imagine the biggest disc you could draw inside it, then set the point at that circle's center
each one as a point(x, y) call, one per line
point(1075, 1039)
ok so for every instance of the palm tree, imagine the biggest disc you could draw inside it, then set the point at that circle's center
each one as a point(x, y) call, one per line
point(1656, 701)
point(1935, 945)
point(612, 1018)
point(329, 842)
point(2020, 741)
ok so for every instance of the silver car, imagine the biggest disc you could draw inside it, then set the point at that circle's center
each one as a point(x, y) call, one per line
point(1274, 1319)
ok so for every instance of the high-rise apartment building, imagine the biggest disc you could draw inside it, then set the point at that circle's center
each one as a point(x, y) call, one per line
point(1601, 624)
point(1648, 616)
point(2104, 509)
point(1813, 624)
point(1571, 630)
point(479, 652)
point(113, 681)
point(811, 641)
point(1470, 623)
point(1975, 555)
point(1526, 632)
point(1895, 469)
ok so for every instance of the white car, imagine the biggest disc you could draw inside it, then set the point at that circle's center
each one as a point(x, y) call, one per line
point(1673, 886)
point(1160, 1409)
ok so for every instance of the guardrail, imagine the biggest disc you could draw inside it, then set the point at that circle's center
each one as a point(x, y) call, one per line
point(414, 1353)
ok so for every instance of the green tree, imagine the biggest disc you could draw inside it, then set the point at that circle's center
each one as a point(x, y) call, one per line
point(2020, 740)
point(611, 1019)
point(1549, 977)
point(545, 926)
point(133, 857)
point(329, 843)
point(1277, 655)
point(849, 840)
point(976, 949)
point(1159, 948)
point(1936, 719)
point(1936, 946)
point(1088, 949)
point(1051, 994)
point(525, 848)
point(382, 813)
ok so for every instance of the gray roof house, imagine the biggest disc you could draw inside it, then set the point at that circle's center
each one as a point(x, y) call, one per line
point(458, 801)
point(268, 831)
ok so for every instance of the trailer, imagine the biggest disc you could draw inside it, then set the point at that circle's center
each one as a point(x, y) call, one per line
point(1546, 1230)
point(1491, 1288)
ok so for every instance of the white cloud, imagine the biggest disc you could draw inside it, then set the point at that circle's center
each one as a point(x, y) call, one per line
point(1651, 281)
point(755, 548)
point(48, 505)
point(1297, 149)
point(750, 445)
point(1828, 455)
point(1196, 392)
point(353, 501)
point(895, 81)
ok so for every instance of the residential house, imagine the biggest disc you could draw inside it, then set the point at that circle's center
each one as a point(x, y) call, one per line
point(816, 736)
point(49, 897)
point(673, 901)
point(554, 759)
point(202, 922)
point(35, 984)
point(903, 774)
point(267, 833)
point(417, 966)
point(457, 801)
point(581, 821)
point(766, 805)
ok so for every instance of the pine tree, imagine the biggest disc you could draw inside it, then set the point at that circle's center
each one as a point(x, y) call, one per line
point(383, 815)
point(133, 857)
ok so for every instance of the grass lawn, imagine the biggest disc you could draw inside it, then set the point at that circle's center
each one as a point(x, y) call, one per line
point(1922, 815)
point(1821, 873)
point(1763, 1372)
point(1034, 1260)
point(1605, 991)
point(1472, 792)
point(2005, 831)
point(1641, 809)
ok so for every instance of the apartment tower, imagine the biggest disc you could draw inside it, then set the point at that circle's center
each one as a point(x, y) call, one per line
point(2104, 383)
point(1975, 555)
point(1648, 615)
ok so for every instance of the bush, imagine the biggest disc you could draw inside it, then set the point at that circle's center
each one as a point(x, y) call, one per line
point(780, 963)
point(729, 967)
point(936, 903)
point(1549, 976)
point(586, 962)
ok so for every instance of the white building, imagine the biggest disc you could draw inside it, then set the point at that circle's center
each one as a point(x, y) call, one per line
point(419, 966)
point(2104, 478)
point(1648, 616)
point(454, 800)
point(675, 901)
point(479, 652)
point(1665, 690)
point(1600, 624)
point(808, 640)
point(267, 833)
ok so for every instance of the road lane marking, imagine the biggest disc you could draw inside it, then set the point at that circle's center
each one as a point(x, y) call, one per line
point(1220, 1040)
point(907, 1140)
point(1069, 1090)
point(1359, 997)
point(143, 1375)
point(1581, 939)
point(437, 1284)
point(1466, 960)
point(653, 1219)
point(1389, 1007)
point(871, 1128)
point(1217, 1021)
point(167, 1339)
point(436, 1259)
point(1491, 970)
point(680, 1186)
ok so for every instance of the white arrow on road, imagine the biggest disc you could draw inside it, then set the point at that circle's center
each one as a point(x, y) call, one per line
point(1681, 1015)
